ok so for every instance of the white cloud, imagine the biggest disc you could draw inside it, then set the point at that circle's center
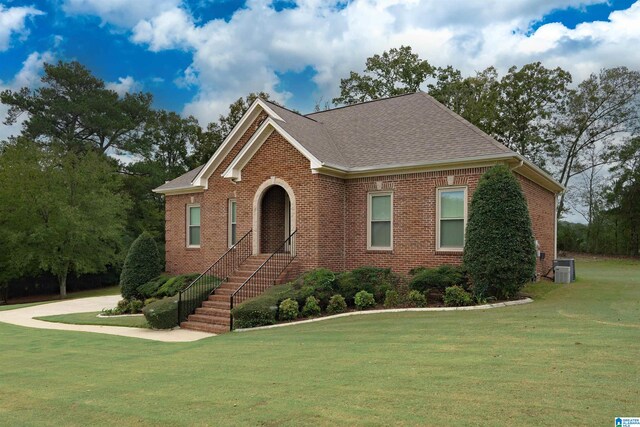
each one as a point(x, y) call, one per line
point(245, 54)
point(124, 85)
point(124, 13)
point(12, 21)
point(28, 76)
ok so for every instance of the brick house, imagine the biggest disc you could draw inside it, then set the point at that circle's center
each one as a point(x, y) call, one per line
point(382, 183)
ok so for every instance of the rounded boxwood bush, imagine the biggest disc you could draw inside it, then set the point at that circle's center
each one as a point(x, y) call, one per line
point(417, 299)
point(364, 300)
point(391, 299)
point(162, 314)
point(455, 296)
point(438, 278)
point(336, 305)
point(499, 252)
point(311, 307)
point(140, 266)
point(288, 309)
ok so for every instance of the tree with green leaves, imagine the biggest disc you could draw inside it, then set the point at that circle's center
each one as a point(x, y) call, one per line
point(499, 250)
point(395, 72)
point(75, 109)
point(141, 265)
point(60, 211)
point(603, 108)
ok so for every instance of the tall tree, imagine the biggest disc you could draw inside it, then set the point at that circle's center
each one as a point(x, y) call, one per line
point(75, 109)
point(599, 111)
point(395, 72)
point(528, 99)
point(625, 193)
point(60, 210)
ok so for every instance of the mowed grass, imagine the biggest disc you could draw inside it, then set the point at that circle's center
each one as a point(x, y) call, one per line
point(92, 318)
point(569, 358)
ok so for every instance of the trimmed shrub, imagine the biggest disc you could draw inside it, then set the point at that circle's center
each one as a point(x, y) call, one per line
point(499, 252)
point(347, 287)
point(261, 310)
point(140, 266)
point(375, 280)
point(336, 305)
point(438, 278)
point(165, 285)
point(417, 299)
point(455, 296)
point(364, 300)
point(122, 307)
point(162, 314)
point(150, 300)
point(135, 306)
point(288, 309)
point(311, 307)
point(392, 299)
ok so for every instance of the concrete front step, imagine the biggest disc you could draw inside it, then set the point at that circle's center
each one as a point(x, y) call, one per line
point(203, 318)
point(205, 327)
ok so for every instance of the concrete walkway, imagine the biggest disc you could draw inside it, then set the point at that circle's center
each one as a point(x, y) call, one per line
point(25, 317)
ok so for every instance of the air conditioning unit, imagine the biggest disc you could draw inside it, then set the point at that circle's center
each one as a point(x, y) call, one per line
point(566, 262)
point(562, 274)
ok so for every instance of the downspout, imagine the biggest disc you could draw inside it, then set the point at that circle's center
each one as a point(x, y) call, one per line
point(518, 166)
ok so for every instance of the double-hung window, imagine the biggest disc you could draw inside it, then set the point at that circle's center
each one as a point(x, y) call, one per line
point(233, 236)
point(451, 218)
point(380, 221)
point(193, 226)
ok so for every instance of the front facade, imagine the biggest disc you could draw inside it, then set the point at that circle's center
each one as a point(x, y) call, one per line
point(385, 183)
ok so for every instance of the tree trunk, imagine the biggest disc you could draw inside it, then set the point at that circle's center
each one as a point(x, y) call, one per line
point(62, 281)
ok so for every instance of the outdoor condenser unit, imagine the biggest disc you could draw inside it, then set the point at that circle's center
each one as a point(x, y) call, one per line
point(562, 274)
point(566, 262)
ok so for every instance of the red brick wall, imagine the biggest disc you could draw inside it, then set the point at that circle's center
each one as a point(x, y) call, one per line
point(331, 213)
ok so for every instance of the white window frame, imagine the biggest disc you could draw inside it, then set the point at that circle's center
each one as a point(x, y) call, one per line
point(188, 225)
point(230, 223)
point(464, 227)
point(370, 196)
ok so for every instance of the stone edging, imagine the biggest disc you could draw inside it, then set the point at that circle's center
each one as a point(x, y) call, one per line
point(392, 310)
point(115, 316)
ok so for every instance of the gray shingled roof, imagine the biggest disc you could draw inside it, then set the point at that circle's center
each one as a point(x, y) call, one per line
point(403, 130)
point(183, 181)
point(412, 129)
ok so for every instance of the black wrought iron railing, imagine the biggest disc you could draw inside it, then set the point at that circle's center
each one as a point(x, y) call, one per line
point(267, 274)
point(199, 290)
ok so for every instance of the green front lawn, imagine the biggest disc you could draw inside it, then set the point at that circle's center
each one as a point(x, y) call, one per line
point(570, 358)
point(92, 319)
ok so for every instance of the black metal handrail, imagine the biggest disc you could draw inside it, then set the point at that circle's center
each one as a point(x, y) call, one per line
point(199, 290)
point(267, 274)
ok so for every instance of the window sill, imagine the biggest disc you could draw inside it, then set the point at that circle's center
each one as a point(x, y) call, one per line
point(193, 248)
point(380, 251)
point(449, 251)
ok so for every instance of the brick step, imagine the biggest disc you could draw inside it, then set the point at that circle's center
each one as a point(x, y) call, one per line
point(211, 311)
point(222, 305)
point(220, 298)
point(205, 327)
point(203, 318)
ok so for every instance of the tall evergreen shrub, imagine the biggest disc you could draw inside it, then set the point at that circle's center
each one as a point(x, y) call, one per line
point(499, 251)
point(140, 266)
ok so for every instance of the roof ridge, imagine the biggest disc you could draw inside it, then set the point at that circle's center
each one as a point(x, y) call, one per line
point(361, 103)
point(289, 110)
point(466, 122)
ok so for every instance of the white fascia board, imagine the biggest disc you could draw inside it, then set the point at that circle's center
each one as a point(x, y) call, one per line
point(202, 179)
point(234, 170)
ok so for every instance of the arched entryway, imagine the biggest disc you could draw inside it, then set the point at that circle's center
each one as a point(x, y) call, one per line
point(274, 216)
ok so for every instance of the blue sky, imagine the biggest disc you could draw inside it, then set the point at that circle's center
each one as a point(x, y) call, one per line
point(167, 48)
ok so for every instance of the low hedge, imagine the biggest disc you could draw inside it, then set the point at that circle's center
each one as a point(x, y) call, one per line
point(165, 285)
point(438, 278)
point(162, 314)
point(261, 310)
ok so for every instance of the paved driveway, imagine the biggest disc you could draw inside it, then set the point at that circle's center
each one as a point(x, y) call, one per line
point(25, 317)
